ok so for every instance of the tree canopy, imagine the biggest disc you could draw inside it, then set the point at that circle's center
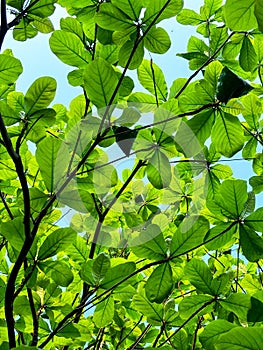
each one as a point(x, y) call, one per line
point(163, 246)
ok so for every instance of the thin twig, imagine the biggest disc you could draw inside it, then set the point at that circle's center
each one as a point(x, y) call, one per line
point(188, 319)
point(210, 59)
point(2, 196)
point(146, 330)
point(129, 333)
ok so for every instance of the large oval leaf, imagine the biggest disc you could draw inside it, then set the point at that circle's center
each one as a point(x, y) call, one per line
point(227, 134)
point(46, 155)
point(152, 78)
point(100, 81)
point(240, 338)
point(40, 94)
point(240, 15)
point(69, 48)
point(159, 284)
point(10, 69)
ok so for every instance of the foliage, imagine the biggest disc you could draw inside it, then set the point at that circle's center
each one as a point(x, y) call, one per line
point(166, 253)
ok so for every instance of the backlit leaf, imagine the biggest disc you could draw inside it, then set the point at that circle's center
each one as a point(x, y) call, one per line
point(240, 338)
point(40, 94)
point(104, 312)
point(10, 69)
point(189, 234)
point(69, 48)
point(240, 14)
point(159, 284)
point(100, 81)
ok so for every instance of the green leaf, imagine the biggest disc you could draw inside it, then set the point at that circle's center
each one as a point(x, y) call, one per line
point(159, 170)
point(46, 156)
point(43, 25)
point(222, 235)
point(69, 48)
point(152, 79)
point(258, 164)
point(153, 311)
point(221, 171)
point(79, 200)
point(69, 331)
point(118, 273)
point(40, 94)
point(191, 304)
point(86, 273)
point(231, 86)
point(159, 9)
point(198, 273)
point(57, 241)
point(180, 340)
point(144, 102)
point(251, 243)
point(160, 283)
point(10, 69)
point(150, 244)
point(201, 125)
point(42, 8)
point(75, 78)
point(239, 15)
point(59, 271)
point(212, 6)
point(126, 87)
point(255, 220)
point(132, 8)
point(250, 149)
point(212, 332)
point(24, 30)
point(257, 183)
point(112, 18)
point(100, 81)
point(255, 313)
point(258, 12)
point(190, 234)
point(104, 313)
point(237, 303)
point(217, 38)
point(212, 73)
point(252, 111)
point(104, 178)
point(157, 40)
point(13, 231)
point(227, 134)
point(127, 54)
point(100, 267)
point(248, 56)
point(77, 250)
point(189, 17)
point(71, 25)
point(231, 198)
point(240, 338)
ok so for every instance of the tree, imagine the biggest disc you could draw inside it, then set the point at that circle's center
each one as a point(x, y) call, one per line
point(167, 251)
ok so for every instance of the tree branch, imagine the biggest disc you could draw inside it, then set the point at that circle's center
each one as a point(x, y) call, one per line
point(4, 27)
point(133, 346)
point(210, 59)
point(10, 287)
point(2, 196)
point(189, 319)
